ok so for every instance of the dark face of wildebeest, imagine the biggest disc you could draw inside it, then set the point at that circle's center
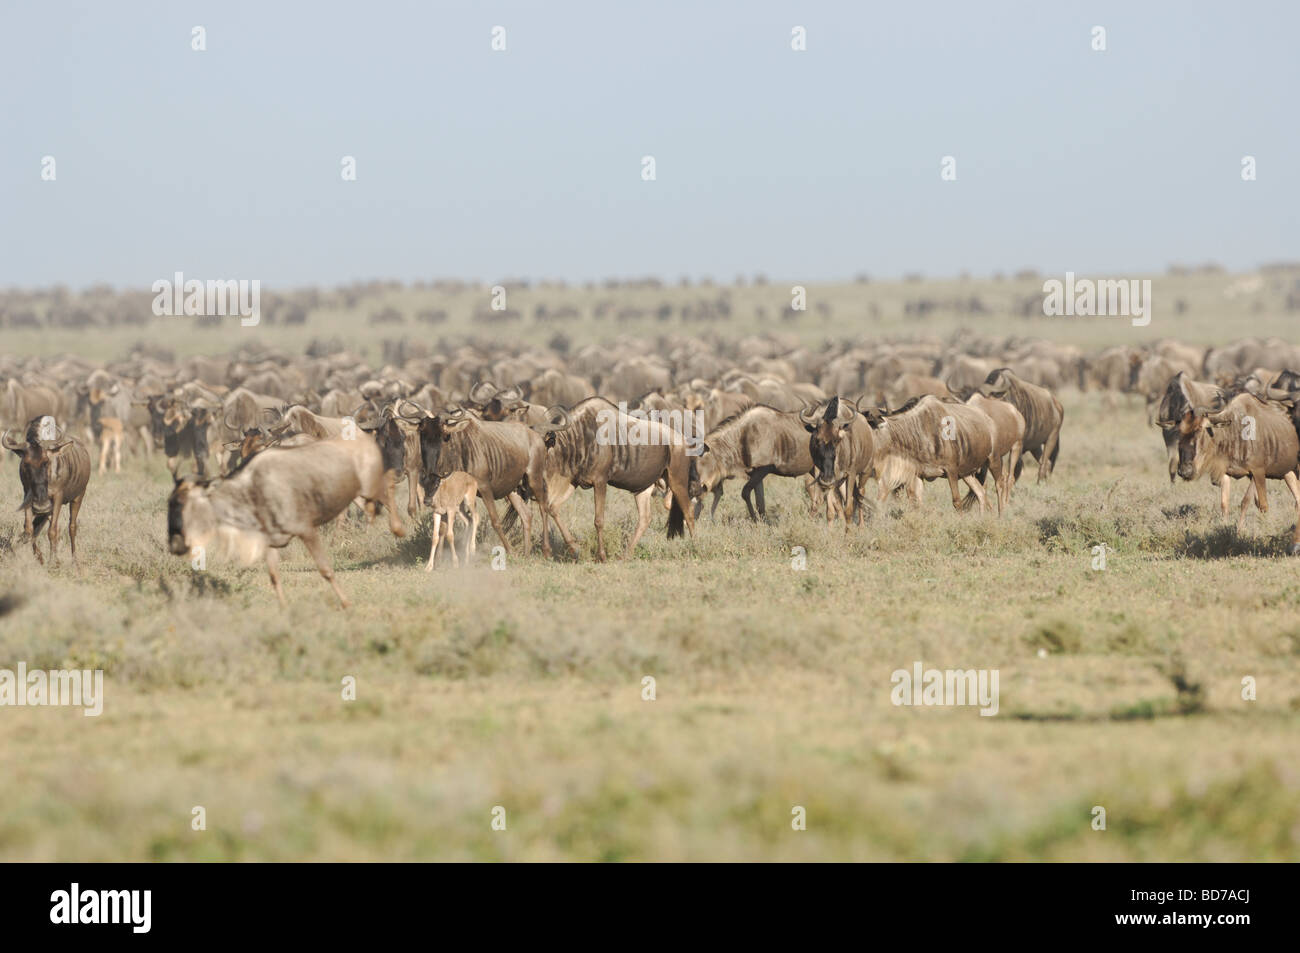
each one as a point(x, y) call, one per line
point(33, 473)
point(826, 433)
point(392, 444)
point(432, 435)
point(189, 515)
point(1194, 433)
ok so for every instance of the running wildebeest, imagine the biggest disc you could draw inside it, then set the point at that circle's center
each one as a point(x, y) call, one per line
point(278, 495)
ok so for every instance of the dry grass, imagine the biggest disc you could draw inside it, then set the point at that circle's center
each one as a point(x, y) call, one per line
point(521, 688)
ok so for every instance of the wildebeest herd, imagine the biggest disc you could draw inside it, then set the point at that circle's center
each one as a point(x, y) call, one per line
point(265, 447)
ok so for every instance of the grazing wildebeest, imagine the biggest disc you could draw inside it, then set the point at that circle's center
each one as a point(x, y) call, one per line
point(756, 442)
point(54, 470)
point(280, 494)
point(928, 438)
point(598, 446)
point(1043, 415)
point(1248, 438)
point(501, 456)
point(843, 450)
point(456, 491)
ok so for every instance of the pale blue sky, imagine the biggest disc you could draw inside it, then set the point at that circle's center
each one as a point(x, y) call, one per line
point(477, 164)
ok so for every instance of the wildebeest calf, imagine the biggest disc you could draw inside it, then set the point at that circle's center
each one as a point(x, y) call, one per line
point(452, 492)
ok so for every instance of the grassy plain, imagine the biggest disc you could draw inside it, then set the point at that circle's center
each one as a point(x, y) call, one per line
point(522, 688)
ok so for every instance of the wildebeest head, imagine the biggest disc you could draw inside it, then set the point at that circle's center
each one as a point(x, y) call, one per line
point(190, 520)
point(434, 432)
point(1195, 432)
point(392, 442)
point(997, 383)
point(827, 431)
point(34, 458)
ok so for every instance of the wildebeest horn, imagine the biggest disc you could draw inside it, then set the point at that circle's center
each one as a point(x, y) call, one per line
point(1279, 393)
point(509, 396)
point(565, 422)
point(846, 412)
point(486, 388)
point(10, 444)
point(230, 424)
point(272, 413)
point(808, 414)
point(401, 412)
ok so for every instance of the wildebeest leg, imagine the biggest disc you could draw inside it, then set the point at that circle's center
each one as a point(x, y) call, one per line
point(314, 546)
point(451, 538)
point(1261, 490)
point(472, 502)
point(390, 504)
point(814, 507)
point(105, 440)
point(73, 509)
point(437, 541)
point(995, 468)
point(954, 484)
point(543, 498)
point(978, 488)
point(1044, 456)
point(1225, 487)
point(273, 570)
point(759, 498)
point(745, 491)
point(1246, 499)
point(35, 525)
point(642, 519)
point(598, 498)
point(717, 498)
point(56, 501)
point(555, 501)
point(1293, 484)
point(526, 516)
point(492, 516)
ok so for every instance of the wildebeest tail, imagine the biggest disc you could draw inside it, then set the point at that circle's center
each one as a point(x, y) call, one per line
point(676, 519)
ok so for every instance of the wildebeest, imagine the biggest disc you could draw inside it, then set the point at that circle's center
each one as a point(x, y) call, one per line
point(1248, 438)
point(25, 402)
point(280, 494)
point(1008, 438)
point(928, 438)
point(54, 470)
point(842, 449)
point(1043, 415)
point(501, 456)
point(456, 491)
point(596, 445)
point(755, 443)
